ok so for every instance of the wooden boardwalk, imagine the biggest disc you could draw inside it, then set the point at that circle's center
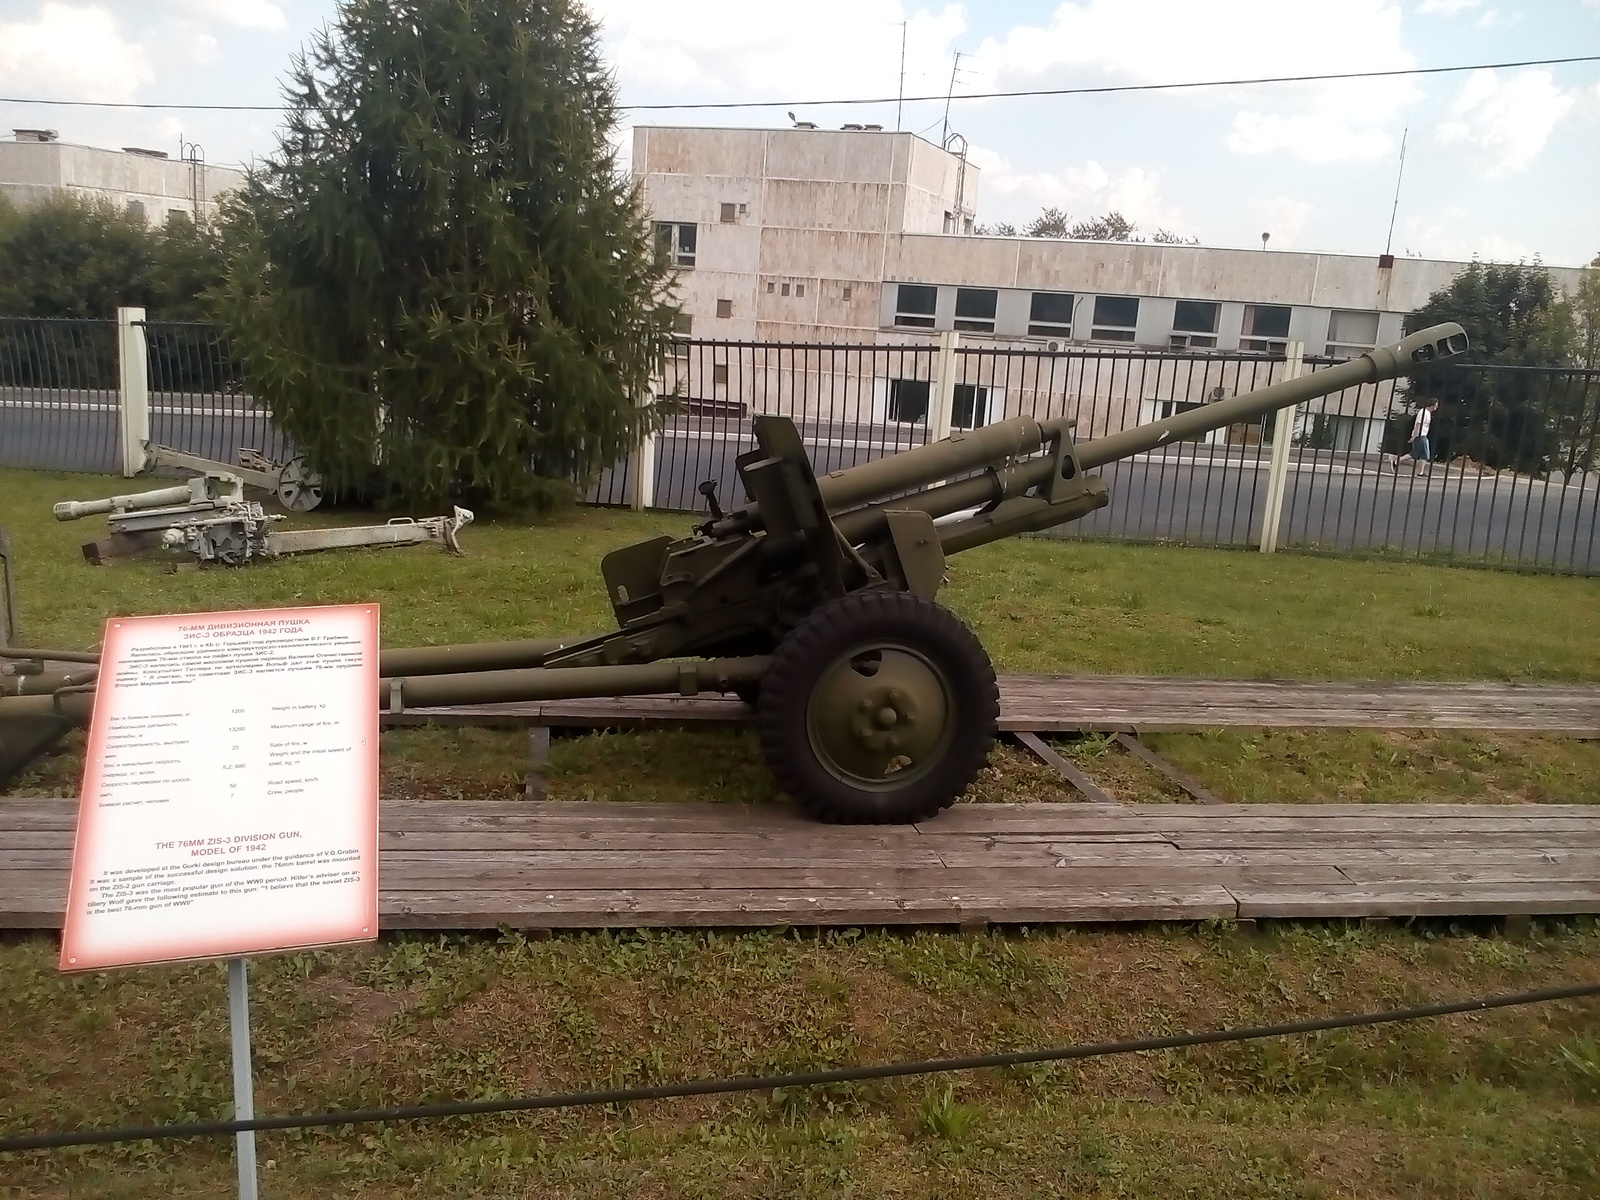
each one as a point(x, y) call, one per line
point(588, 865)
point(1110, 703)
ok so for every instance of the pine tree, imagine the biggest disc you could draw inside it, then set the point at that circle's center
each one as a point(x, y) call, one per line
point(440, 283)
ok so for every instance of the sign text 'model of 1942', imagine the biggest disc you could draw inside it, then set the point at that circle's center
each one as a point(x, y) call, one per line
point(230, 791)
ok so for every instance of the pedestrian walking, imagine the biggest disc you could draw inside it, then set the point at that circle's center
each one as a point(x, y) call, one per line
point(1420, 448)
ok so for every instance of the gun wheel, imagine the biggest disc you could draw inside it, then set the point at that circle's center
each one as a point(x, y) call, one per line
point(299, 487)
point(879, 707)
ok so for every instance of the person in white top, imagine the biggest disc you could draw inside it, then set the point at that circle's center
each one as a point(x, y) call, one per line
point(1421, 454)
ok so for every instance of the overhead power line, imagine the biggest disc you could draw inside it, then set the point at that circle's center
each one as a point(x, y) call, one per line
point(1074, 91)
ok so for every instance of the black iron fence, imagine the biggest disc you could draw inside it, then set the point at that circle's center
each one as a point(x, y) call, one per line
point(1512, 481)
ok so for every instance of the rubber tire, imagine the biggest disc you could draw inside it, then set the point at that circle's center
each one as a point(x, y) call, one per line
point(815, 645)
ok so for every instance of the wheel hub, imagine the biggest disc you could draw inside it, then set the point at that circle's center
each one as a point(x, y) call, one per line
point(880, 716)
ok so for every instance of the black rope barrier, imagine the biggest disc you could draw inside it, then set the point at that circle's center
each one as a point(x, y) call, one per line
point(766, 1083)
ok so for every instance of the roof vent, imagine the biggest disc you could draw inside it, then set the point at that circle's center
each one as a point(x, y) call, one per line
point(36, 135)
point(873, 128)
point(805, 124)
point(139, 150)
point(852, 127)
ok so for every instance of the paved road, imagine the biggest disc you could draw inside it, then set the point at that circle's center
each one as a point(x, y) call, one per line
point(1191, 493)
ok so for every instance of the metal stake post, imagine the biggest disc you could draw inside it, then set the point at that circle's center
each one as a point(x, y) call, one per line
point(1278, 473)
point(244, 1105)
point(133, 399)
point(944, 387)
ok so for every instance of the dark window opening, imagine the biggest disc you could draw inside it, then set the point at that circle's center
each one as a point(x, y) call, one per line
point(1195, 316)
point(1051, 313)
point(677, 242)
point(729, 214)
point(724, 308)
point(969, 406)
point(915, 304)
point(719, 374)
point(975, 309)
point(1115, 318)
point(1266, 326)
point(908, 400)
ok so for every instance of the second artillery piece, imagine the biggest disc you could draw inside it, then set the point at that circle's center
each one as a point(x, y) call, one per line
point(814, 600)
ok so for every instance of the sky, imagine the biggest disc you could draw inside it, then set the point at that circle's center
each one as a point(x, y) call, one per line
point(1500, 165)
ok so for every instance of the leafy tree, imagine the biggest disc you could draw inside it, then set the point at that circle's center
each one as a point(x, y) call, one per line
point(440, 282)
point(999, 229)
point(1112, 227)
point(1501, 414)
point(1051, 223)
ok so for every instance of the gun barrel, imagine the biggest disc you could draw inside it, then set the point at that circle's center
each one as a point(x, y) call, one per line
point(960, 452)
point(1436, 344)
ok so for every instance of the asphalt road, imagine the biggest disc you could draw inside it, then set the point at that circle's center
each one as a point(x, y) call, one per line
point(1190, 493)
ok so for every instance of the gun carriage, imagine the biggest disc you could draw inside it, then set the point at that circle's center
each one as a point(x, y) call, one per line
point(815, 601)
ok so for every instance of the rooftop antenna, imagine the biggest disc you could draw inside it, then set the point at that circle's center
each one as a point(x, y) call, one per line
point(1388, 242)
point(1264, 238)
point(900, 100)
point(954, 67)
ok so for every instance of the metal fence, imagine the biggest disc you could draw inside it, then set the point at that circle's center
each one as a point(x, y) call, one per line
point(60, 401)
point(1513, 484)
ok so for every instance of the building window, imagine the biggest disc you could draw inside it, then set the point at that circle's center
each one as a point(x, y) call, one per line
point(1266, 327)
point(845, 294)
point(1194, 324)
point(969, 406)
point(975, 309)
point(724, 308)
point(729, 214)
point(136, 209)
point(949, 222)
point(915, 304)
point(785, 289)
point(1051, 314)
point(771, 287)
point(677, 242)
point(908, 400)
point(799, 289)
point(1115, 318)
point(1351, 333)
point(683, 323)
point(719, 374)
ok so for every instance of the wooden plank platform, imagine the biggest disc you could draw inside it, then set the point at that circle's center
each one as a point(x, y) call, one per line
point(545, 865)
point(1145, 704)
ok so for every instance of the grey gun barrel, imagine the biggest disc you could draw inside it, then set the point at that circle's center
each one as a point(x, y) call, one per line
point(72, 510)
point(1426, 347)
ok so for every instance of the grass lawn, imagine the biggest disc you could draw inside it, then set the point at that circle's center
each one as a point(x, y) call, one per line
point(1040, 605)
point(1499, 1105)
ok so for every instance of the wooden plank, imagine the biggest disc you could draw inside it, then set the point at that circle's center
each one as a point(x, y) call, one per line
point(1487, 899)
point(1078, 779)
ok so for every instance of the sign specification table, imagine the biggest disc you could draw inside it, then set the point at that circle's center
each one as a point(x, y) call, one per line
point(230, 798)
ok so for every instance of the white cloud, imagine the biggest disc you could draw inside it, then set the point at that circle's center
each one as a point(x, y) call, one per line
point(1447, 8)
point(1283, 217)
point(1443, 234)
point(731, 48)
point(242, 14)
point(72, 51)
point(1506, 118)
point(1083, 190)
point(1166, 41)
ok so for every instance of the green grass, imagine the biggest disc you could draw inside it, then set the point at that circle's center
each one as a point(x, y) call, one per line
point(1502, 1105)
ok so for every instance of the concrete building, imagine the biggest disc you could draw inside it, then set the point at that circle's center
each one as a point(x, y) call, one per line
point(36, 165)
point(861, 235)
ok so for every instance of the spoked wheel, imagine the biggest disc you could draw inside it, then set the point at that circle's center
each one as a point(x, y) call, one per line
point(299, 487)
point(879, 707)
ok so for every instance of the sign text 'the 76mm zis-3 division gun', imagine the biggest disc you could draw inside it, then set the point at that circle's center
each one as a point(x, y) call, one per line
point(814, 601)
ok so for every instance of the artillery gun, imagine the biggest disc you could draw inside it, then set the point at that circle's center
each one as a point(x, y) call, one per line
point(814, 601)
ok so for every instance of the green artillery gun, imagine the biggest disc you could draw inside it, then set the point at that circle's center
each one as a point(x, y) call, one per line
point(814, 601)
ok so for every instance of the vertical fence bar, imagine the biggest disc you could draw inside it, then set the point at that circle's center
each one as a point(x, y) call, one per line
point(133, 400)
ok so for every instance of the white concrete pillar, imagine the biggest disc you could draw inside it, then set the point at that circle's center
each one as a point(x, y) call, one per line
point(644, 465)
point(1282, 435)
point(943, 392)
point(133, 396)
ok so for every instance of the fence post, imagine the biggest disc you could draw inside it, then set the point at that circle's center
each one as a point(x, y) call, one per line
point(644, 463)
point(133, 398)
point(1282, 435)
point(944, 387)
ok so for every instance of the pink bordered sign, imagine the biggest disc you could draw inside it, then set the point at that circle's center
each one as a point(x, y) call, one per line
point(230, 790)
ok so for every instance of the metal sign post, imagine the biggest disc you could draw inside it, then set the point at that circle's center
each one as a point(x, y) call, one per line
point(244, 1104)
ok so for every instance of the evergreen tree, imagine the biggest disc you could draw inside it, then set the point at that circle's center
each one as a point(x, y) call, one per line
point(440, 283)
point(1500, 414)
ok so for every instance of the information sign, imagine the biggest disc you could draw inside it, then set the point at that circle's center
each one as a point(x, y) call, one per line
point(230, 792)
